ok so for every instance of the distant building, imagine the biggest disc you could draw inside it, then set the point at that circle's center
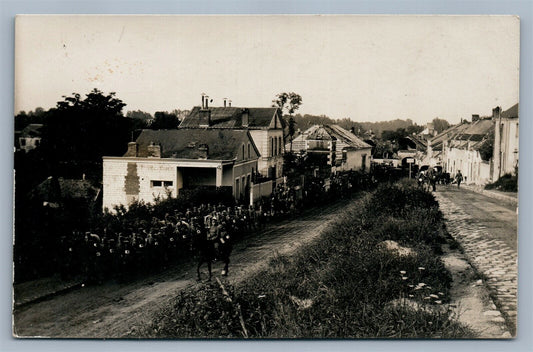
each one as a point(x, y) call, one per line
point(506, 134)
point(30, 137)
point(483, 150)
point(161, 163)
point(466, 147)
point(265, 125)
point(344, 150)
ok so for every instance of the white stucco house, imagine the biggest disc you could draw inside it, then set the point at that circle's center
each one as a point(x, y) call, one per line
point(161, 163)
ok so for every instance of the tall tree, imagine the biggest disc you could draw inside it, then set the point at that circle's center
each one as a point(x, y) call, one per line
point(79, 131)
point(290, 102)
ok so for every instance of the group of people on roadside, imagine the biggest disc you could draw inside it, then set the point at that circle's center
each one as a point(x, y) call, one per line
point(432, 176)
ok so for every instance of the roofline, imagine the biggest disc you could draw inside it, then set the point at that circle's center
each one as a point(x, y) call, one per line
point(169, 160)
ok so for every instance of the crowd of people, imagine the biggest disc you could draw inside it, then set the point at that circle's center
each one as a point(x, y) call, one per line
point(124, 246)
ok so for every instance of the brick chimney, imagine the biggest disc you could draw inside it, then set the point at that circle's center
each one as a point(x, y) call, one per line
point(496, 112)
point(154, 150)
point(245, 117)
point(204, 151)
point(204, 113)
point(133, 149)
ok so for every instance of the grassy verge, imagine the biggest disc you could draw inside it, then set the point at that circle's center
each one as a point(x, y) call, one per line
point(375, 273)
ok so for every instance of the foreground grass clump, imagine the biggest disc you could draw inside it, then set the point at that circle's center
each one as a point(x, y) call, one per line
point(374, 273)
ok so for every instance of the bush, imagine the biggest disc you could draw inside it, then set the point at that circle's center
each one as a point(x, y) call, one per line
point(506, 183)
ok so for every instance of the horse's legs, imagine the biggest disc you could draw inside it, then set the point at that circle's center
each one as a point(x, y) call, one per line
point(225, 270)
point(209, 268)
point(226, 267)
point(200, 262)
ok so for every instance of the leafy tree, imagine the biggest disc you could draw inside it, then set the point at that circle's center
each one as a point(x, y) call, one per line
point(164, 120)
point(80, 131)
point(440, 124)
point(139, 114)
point(414, 129)
point(290, 102)
point(23, 119)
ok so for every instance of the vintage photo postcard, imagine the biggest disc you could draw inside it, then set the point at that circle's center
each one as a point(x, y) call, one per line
point(250, 177)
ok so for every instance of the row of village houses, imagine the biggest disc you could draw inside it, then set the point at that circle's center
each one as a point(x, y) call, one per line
point(222, 147)
point(242, 149)
point(483, 150)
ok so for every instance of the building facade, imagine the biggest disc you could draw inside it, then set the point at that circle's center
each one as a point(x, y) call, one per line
point(264, 124)
point(161, 163)
point(506, 144)
point(343, 149)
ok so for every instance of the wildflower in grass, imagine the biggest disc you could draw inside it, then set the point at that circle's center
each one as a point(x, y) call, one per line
point(261, 296)
point(411, 286)
point(404, 277)
point(402, 272)
point(411, 296)
point(438, 301)
point(421, 268)
point(427, 298)
point(433, 296)
point(441, 294)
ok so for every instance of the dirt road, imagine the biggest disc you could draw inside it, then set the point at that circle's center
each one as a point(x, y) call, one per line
point(115, 310)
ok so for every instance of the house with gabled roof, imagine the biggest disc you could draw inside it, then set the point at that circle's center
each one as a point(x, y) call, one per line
point(30, 137)
point(483, 150)
point(344, 150)
point(265, 126)
point(162, 163)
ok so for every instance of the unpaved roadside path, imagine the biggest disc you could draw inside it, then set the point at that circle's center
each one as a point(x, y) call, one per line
point(115, 310)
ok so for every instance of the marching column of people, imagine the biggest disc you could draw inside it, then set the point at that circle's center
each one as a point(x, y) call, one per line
point(124, 248)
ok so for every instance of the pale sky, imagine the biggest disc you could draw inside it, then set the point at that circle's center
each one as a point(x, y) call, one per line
point(367, 68)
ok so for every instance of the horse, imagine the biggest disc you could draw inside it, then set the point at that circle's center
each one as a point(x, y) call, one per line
point(210, 250)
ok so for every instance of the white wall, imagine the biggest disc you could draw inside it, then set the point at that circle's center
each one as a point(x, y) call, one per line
point(269, 157)
point(354, 160)
point(116, 180)
point(473, 168)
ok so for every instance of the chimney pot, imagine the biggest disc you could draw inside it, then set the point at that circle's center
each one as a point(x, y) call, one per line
point(154, 151)
point(204, 151)
point(245, 117)
point(133, 149)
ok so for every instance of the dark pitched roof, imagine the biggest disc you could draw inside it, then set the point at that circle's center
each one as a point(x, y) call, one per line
point(32, 130)
point(460, 135)
point(512, 112)
point(231, 117)
point(328, 132)
point(185, 143)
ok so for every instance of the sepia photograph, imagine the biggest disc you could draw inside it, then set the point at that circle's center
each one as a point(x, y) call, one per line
point(266, 177)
